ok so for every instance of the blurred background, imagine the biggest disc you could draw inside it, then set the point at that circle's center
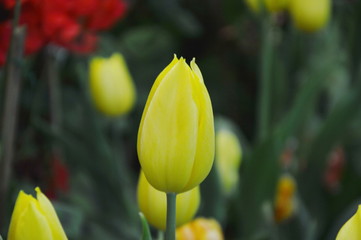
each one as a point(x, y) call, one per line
point(283, 76)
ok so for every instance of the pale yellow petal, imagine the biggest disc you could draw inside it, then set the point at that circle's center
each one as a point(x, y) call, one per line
point(22, 202)
point(310, 15)
point(205, 149)
point(228, 158)
point(50, 216)
point(32, 224)
point(153, 204)
point(351, 230)
point(169, 131)
point(187, 205)
point(111, 85)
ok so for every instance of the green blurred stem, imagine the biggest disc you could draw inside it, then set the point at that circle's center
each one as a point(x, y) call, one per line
point(264, 100)
point(52, 75)
point(10, 110)
point(160, 235)
point(171, 216)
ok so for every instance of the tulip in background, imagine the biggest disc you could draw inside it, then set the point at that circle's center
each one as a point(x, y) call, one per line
point(310, 15)
point(285, 203)
point(351, 230)
point(200, 229)
point(228, 158)
point(111, 85)
point(176, 132)
point(34, 219)
point(153, 205)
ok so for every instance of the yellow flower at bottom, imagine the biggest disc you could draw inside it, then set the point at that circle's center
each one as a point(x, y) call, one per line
point(351, 230)
point(34, 219)
point(285, 200)
point(200, 229)
point(153, 204)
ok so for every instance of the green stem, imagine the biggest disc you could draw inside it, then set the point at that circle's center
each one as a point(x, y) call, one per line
point(10, 109)
point(265, 78)
point(171, 216)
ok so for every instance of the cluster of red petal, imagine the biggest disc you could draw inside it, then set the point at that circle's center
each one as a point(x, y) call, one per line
point(72, 24)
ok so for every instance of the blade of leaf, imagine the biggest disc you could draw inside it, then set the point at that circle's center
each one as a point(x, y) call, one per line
point(146, 232)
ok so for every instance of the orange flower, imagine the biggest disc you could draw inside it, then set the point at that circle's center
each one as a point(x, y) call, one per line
point(285, 201)
point(200, 229)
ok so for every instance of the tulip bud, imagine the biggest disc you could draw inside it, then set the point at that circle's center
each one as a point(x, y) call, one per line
point(228, 158)
point(351, 230)
point(285, 198)
point(310, 15)
point(111, 85)
point(153, 204)
point(34, 219)
point(176, 132)
point(200, 229)
point(271, 5)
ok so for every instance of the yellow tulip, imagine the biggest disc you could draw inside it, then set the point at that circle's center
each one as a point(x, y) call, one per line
point(228, 158)
point(351, 230)
point(200, 229)
point(310, 15)
point(34, 219)
point(285, 198)
point(176, 132)
point(111, 85)
point(271, 5)
point(153, 204)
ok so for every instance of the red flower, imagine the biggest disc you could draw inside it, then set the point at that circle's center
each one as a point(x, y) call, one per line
point(72, 24)
point(334, 169)
point(108, 11)
point(5, 32)
point(59, 181)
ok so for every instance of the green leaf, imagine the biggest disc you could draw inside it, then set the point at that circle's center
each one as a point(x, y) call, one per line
point(146, 232)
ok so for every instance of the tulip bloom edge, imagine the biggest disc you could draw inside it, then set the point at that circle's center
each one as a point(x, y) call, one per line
point(176, 134)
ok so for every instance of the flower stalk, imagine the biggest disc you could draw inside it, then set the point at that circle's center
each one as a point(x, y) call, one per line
point(11, 99)
point(265, 78)
point(171, 216)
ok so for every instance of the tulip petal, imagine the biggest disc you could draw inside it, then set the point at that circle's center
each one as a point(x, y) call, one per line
point(50, 215)
point(111, 85)
point(187, 205)
point(351, 230)
point(32, 225)
point(153, 204)
point(169, 131)
point(22, 202)
point(204, 156)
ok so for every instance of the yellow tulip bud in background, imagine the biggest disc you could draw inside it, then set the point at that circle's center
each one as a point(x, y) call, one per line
point(153, 204)
point(351, 230)
point(111, 85)
point(228, 158)
point(285, 198)
point(310, 15)
point(176, 133)
point(271, 5)
point(200, 229)
point(34, 219)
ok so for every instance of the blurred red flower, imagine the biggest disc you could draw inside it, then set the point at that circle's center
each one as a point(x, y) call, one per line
point(59, 178)
point(72, 24)
point(5, 31)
